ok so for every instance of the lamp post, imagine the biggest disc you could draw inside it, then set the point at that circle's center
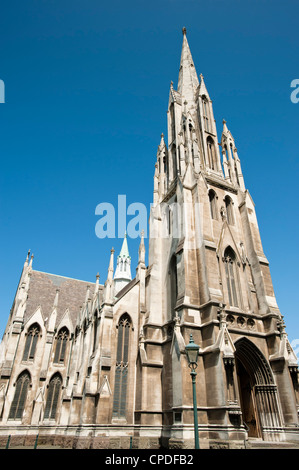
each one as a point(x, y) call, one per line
point(192, 350)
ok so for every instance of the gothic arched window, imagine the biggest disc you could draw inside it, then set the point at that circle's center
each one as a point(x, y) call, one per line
point(121, 369)
point(172, 122)
point(229, 210)
point(95, 330)
point(173, 283)
point(237, 175)
point(19, 400)
point(53, 396)
point(174, 160)
point(228, 161)
point(205, 106)
point(61, 343)
point(231, 274)
point(213, 204)
point(31, 341)
point(232, 151)
point(211, 153)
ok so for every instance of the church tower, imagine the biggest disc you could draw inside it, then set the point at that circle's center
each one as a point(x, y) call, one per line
point(209, 277)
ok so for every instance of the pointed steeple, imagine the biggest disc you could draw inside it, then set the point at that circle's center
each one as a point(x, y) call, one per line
point(202, 88)
point(231, 161)
point(188, 81)
point(162, 143)
point(31, 261)
point(97, 284)
point(225, 129)
point(109, 282)
point(27, 260)
point(124, 252)
point(160, 171)
point(111, 266)
point(123, 268)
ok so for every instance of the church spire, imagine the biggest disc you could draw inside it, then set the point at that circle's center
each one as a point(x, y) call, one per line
point(160, 176)
point(123, 268)
point(124, 252)
point(109, 282)
point(188, 81)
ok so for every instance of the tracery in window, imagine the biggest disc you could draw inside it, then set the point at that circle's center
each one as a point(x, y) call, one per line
point(20, 396)
point(206, 120)
point(61, 343)
point(53, 396)
point(231, 273)
point(122, 367)
point(31, 342)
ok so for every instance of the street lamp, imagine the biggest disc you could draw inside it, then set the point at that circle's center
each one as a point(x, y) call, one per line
point(192, 350)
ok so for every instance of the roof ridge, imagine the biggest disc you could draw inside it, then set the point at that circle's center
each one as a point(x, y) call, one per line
point(65, 277)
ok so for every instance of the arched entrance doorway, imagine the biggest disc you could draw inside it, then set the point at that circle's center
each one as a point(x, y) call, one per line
point(248, 405)
point(257, 390)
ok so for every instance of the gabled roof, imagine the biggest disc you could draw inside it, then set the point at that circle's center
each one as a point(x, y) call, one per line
point(43, 292)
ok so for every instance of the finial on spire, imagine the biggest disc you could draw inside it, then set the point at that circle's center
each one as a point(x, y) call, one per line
point(141, 248)
point(111, 264)
point(184, 31)
point(161, 144)
point(27, 259)
point(96, 287)
point(225, 129)
point(31, 260)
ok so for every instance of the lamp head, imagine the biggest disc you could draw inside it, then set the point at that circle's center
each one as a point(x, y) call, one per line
point(192, 351)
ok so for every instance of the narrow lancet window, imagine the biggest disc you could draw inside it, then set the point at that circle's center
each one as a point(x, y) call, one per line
point(122, 367)
point(213, 206)
point(52, 397)
point(20, 397)
point(31, 342)
point(231, 273)
point(61, 346)
point(211, 154)
point(229, 210)
point(205, 107)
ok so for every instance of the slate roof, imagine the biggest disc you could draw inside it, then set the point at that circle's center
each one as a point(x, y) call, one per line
point(42, 292)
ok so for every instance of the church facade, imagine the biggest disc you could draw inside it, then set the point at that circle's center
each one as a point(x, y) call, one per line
point(105, 366)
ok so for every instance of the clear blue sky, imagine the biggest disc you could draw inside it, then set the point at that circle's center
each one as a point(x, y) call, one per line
point(86, 89)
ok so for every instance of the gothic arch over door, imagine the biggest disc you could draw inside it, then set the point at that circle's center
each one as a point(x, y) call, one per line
point(258, 392)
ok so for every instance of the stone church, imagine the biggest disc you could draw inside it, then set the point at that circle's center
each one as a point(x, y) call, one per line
point(85, 365)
